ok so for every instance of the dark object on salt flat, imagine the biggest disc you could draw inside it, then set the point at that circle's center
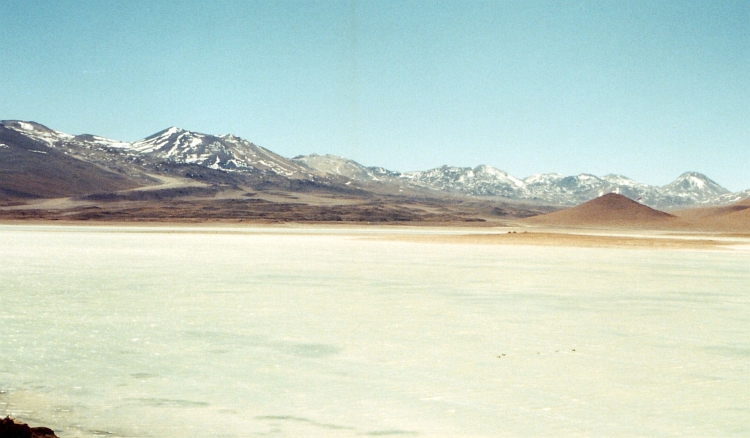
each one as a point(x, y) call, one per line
point(9, 428)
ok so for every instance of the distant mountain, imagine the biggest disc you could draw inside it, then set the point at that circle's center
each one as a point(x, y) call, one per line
point(573, 190)
point(690, 189)
point(113, 155)
point(479, 181)
point(732, 197)
point(227, 159)
point(31, 168)
point(225, 152)
point(335, 165)
point(36, 131)
point(694, 188)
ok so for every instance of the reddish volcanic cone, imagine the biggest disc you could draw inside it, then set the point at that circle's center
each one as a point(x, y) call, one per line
point(611, 209)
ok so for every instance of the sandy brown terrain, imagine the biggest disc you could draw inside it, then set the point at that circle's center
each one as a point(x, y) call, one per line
point(584, 240)
point(734, 217)
point(609, 221)
point(616, 221)
point(176, 201)
point(617, 211)
point(251, 208)
point(608, 210)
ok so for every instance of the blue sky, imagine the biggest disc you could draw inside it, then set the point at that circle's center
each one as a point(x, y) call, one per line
point(644, 89)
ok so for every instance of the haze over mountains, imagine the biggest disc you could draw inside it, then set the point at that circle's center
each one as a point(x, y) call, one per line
point(30, 152)
point(689, 189)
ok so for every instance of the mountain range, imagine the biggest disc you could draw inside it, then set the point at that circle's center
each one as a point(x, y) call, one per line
point(688, 190)
point(31, 151)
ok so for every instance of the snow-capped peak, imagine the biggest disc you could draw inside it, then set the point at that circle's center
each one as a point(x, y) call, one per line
point(695, 187)
point(231, 137)
point(226, 152)
point(37, 131)
point(693, 179)
point(168, 141)
point(497, 174)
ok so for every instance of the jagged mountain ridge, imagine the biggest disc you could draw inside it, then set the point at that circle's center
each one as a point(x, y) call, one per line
point(731, 198)
point(225, 152)
point(228, 154)
point(482, 180)
point(689, 189)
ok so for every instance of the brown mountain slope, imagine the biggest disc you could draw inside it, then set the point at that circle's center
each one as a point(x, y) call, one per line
point(29, 169)
point(734, 217)
point(609, 210)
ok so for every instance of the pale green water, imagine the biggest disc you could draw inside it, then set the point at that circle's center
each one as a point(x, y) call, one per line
point(283, 332)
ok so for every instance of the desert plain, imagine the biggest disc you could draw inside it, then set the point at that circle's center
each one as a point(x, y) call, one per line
point(582, 324)
point(193, 310)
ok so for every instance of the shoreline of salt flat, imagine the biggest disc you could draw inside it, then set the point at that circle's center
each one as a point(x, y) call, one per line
point(509, 235)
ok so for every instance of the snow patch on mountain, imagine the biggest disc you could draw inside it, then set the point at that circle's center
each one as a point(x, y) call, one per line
point(101, 141)
point(37, 131)
point(694, 188)
point(479, 181)
point(731, 198)
point(542, 178)
point(225, 152)
point(230, 153)
point(340, 166)
point(691, 188)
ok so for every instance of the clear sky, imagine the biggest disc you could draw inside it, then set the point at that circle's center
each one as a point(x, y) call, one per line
point(645, 89)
